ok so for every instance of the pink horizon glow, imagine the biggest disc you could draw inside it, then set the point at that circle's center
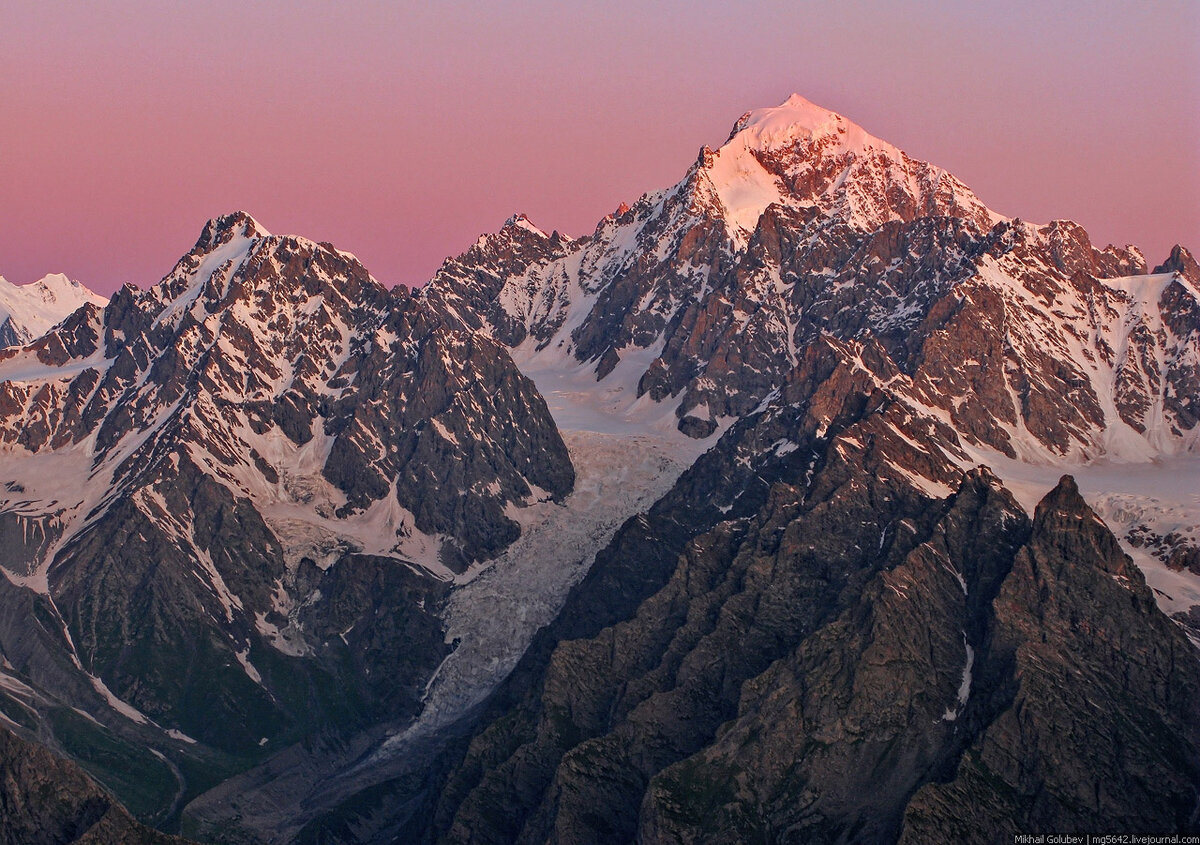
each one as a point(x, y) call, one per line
point(400, 132)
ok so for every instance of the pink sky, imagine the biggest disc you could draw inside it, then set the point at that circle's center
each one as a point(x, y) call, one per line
point(401, 131)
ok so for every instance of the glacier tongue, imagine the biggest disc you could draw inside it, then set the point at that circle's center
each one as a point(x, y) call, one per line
point(627, 454)
point(495, 615)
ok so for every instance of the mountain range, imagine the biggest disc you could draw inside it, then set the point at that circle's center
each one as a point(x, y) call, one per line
point(808, 499)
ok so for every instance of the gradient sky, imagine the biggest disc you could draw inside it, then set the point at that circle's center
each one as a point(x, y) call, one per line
point(400, 131)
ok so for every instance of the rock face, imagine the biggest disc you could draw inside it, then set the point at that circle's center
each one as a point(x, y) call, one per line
point(1067, 622)
point(46, 799)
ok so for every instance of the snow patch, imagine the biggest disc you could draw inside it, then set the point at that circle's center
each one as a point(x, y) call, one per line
point(743, 186)
point(129, 712)
point(180, 736)
point(243, 657)
point(964, 688)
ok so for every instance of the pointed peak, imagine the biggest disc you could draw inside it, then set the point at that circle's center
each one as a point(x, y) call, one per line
point(223, 229)
point(1180, 261)
point(792, 154)
point(1064, 497)
point(616, 214)
point(522, 221)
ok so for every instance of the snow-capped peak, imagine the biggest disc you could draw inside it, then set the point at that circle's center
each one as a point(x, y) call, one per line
point(521, 221)
point(802, 155)
point(221, 230)
point(798, 119)
point(56, 286)
point(29, 311)
point(52, 282)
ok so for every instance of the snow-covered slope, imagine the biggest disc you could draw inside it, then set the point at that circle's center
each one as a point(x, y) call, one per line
point(802, 156)
point(29, 311)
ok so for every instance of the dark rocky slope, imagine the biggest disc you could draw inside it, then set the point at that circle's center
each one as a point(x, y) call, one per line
point(796, 669)
point(1097, 723)
point(46, 800)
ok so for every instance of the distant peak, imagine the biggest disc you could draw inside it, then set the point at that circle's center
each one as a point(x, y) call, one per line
point(521, 221)
point(56, 286)
point(35, 308)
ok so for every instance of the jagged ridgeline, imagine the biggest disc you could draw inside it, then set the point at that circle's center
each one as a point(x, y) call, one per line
point(234, 502)
point(795, 503)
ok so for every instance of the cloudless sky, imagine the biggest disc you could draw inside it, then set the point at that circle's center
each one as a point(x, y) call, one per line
point(400, 131)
